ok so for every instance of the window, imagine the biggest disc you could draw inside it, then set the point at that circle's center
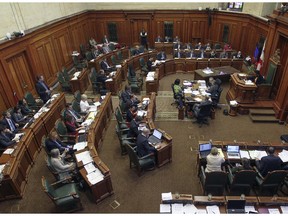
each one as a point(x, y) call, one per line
point(225, 35)
point(168, 29)
point(235, 6)
point(112, 32)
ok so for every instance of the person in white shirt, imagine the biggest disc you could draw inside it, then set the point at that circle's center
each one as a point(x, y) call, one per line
point(214, 161)
point(84, 105)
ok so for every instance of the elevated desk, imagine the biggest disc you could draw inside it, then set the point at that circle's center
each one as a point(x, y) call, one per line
point(114, 85)
point(82, 81)
point(153, 85)
point(217, 73)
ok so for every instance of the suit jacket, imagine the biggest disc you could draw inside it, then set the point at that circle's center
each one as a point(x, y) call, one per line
point(149, 65)
point(269, 163)
point(178, 55)
point(5, 123)
point(51, 144)
point(224, 55)
point(6, 139)
point(105, 66)
point(190, 55)
point(125, 96)
point(41, 90)
point(143, 147)
point(160, 57)
point(67, 112)
point(133, 130)
point(158, 39)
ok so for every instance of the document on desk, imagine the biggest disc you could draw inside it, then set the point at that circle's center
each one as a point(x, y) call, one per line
point(2, 167)
point(85, 157)
point(283, 155)
point(79, 146)
point(90, 167)
point(141, 113)
point(149, 78)
point(220, 152)
point(187, 83)
point(95, 177)
point(8, 151)
point(273, 211)
point(87, 122)
point(93, 108)
point(244, 154)
point(189, 209)
point(165, 208)
point(201, 211)
point(284, 209)
point(97, 104)
point(166, 196)
point(257, 154)
point(177, 208)
point(250, 209)
point(214, 209)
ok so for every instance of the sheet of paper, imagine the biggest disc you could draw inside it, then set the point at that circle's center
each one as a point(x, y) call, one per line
point(214, 209)
point(95, 177)
point(273, 211)
point(79, 146)
point(244, 153)
point(283, 155)
point(201, 211)
point(189, 209)
point(166, 196)
point(220, 152)
point(177, 208)
point(90, 167)
point(8, 151)
point(2, 167)
point(85, 157)
point(97, 104)
point(149, 78)
point(250, 209)
point(257, 154)
point(93, 108)
point(165, 208)
point(141, 113)
point(284, 209)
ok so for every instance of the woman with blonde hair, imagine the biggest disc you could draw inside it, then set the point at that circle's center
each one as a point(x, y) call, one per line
point(214, 161)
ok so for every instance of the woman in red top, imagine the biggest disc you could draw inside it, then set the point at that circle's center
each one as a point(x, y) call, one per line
point(72, 126)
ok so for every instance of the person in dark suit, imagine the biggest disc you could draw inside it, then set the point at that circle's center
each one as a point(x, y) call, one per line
point(143, 36)
point(197, 107)
point(213, 54)
point(259, 79)
point(105, 66)
point(105, 40)
point(198, 46)
point(177, 45)
point(134, 124)
point(70, 111)
point(18, 117)
point(8, 122)
point(178, 54)
point(161, 56)
point(176, 39)
point(131, 113)
point(101, 77)
point(128, 97)
point(239, 55)
point(167, 39)
point(54, 143)
point(143, 147)
point(268, 163)
point(6, 137)
point(190, 54)
point(24, 107)
point(43, 89)
point(158, 39)
point(224, 54)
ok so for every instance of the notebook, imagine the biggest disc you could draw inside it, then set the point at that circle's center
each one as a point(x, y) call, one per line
point(236, 206)
point(204, 149)
point(233, 151)
point(155, 138)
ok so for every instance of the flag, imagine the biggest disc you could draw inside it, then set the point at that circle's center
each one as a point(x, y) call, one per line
point(261, 59)
point(256, 52)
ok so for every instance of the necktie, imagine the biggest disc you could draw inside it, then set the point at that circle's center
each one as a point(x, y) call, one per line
point(73, 114)
point(11, 125)
point(162, 56)
point(178, 54)
point(43, 84)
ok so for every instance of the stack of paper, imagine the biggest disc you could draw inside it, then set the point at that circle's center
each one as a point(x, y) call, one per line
point(257, 154)
point(79, 146)
point(187, 83)
point(165, 208)
point(195, 92)
point(273, 211)
point(166, 196)
point(284, 209)
point(87, 122)
point(283, 155)
point(250, 209)
point(248, 82)
point(214, 209)
point(207, 71)
point(149, 78)
point(118, 66)
point(103, 97)
point(8, 151)
point(189, 209)
point(187, 91)
point(95, 177)
point(141, 113)
point(109, 80)
point(85, 157)
point(97, 104)
point(244, 154)
point(93, 108)
point(177, 208)
point(90, 167)
point(233, 103)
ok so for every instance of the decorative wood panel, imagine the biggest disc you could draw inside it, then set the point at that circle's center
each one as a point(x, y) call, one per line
point(63, 48)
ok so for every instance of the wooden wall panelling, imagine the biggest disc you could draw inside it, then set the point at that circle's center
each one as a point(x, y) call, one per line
point(6, 93)
point(178, 29)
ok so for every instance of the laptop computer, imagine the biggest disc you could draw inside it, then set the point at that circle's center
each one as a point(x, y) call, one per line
point(236, 206)
point(155, 138)
point(233, 151)
point(204, 149)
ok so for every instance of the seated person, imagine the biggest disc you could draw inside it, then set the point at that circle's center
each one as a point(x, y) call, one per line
point(268, 163)
point(95, 52)
point(53, 142)
point(214, 86)
point(105, 40)
point(201, 54)
point(190, 54)
point(207, 47)
point(150, 64)
point(210, 82)
point(137, 50)
point(143, 147)
point(214, 161)
point(106, 49)
point(129, 98)
point(9, 123)
point(134, 125)
point(178, 92)
point(176, 39)
point(18, 117)
point(259, 79)
point(70, 111)
point(239, 55)
point(177, 46)
point(72, 126)
point(213, 54)
point(161, 56)
point(105, 66)
point(25, 110)
point(167, 39)
point(158, 39)
point(60, 165)
point(84, 105)
point(245, 166)
point(92, 42)
point(131, 113)
point(188, 46)
point(178, 54)
point(6, 137)
point(227, 47)
point(101, 77)
point(224, 54)
point(198, 46)
point(197, 107)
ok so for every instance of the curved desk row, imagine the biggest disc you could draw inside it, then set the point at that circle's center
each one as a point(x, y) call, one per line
point(19, 163)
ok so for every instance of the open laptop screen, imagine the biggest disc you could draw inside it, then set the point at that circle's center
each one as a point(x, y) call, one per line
point(236, 204)
point(205, 147)
point(232, 148)
point(157, 134)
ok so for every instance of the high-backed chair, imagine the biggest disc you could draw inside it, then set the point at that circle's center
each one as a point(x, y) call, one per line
point(270, 184)
point(62, 132)
point(204, 114)
point(143, 66)
point(241, 182)
point(65, 85)
point(124, 140)
point(114, 60)
point(213, 182)
point(66, 74)
point(217, 46)
point(120, 56)
point(175, 97)
point(120, 120)
point(97, 87)
point(64, 196)
point(111, 46)
point(76, 107)
point(140, 163)
point(79, 65)
point(31, 101)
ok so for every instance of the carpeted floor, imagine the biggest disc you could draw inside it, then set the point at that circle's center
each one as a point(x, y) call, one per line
point(143, 194)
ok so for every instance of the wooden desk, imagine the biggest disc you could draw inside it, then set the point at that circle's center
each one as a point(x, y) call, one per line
point(227, 70)
point(114, 85)
point(153, 85)
point(164, 151)
point(81, 83)
point(243, 94)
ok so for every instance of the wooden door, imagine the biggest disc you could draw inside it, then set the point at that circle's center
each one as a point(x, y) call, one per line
point(136, 27)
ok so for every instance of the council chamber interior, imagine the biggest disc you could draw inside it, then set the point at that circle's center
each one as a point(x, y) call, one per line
point(98, 52)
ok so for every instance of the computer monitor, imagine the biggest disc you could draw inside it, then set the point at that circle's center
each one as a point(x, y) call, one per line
point(232, 148)
point(236, 206)
point(157, 134)
point(205, 147)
